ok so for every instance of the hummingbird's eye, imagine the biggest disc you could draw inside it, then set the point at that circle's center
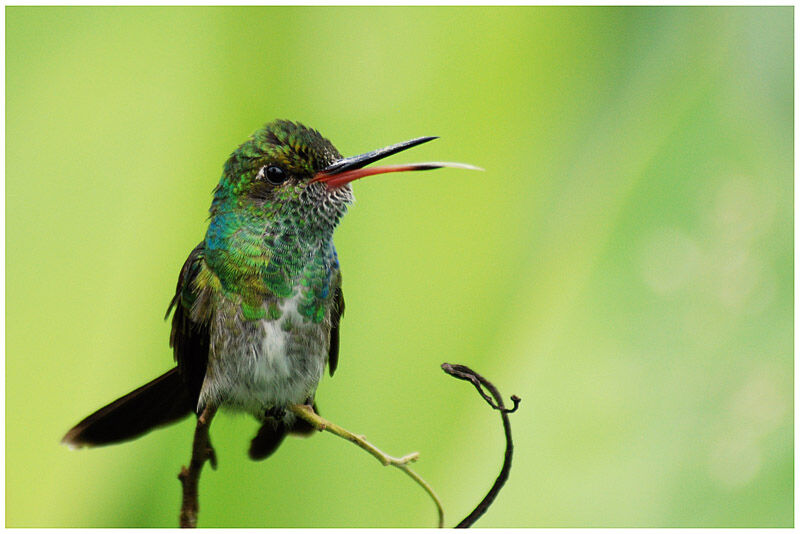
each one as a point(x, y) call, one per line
point(274, 174)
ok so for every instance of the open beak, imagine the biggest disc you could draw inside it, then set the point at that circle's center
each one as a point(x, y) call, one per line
point(346, 170)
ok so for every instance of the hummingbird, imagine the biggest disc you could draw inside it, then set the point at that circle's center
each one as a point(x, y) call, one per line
point(258, 303)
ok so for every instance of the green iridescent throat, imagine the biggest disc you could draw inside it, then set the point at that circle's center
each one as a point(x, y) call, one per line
point(267, 242)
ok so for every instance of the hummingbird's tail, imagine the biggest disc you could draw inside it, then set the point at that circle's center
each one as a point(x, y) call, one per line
point(163, 401)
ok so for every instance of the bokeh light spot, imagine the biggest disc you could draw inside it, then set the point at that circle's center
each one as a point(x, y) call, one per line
point(670, 260)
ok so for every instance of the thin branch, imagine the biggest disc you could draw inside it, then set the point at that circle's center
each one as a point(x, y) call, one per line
point(190, 478)
point(306, 413)
point(463, 372)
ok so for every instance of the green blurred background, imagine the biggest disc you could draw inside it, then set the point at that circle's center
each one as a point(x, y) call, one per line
point(625, 263)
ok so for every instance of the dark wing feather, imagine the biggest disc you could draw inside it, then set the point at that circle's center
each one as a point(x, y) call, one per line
point(189, 340)
point(336, 315)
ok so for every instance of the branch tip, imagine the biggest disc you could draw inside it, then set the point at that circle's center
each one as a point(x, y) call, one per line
point(462, 372)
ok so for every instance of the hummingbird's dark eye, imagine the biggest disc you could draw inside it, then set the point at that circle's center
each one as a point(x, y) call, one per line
point(275, 175)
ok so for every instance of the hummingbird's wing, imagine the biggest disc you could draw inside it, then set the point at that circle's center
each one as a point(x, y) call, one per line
point(336, 315)
point(189, 340)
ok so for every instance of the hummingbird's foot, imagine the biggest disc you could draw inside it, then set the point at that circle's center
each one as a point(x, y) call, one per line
point(307, 414)
point(275, 412)
point(301, 427)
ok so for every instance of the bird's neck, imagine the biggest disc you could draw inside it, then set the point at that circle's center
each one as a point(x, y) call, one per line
point(257, 254)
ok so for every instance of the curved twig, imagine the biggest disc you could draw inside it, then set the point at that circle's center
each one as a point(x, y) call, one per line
point(306, 413)
point(463, 372)
point(203, 451)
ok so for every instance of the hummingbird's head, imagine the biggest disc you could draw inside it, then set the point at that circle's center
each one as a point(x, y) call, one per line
point(286, 168)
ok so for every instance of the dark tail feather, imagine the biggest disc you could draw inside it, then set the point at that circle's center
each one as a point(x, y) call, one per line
point(271, 435)
point(163, 401)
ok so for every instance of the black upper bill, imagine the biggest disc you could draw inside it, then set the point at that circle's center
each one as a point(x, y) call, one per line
point(357, 162)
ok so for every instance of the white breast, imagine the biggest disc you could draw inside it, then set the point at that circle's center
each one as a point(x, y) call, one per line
point(266, 363)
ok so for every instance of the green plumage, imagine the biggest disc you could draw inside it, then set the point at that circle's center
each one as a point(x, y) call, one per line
point(265, 286)
point(259, 300)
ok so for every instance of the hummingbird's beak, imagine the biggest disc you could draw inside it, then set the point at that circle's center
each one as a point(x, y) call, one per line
point(346, 170)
